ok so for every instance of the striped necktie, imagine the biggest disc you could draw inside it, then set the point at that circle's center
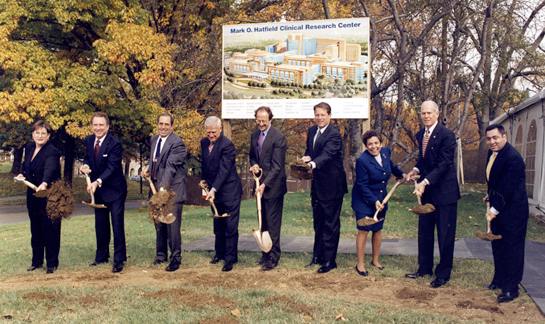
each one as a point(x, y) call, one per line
point(425, 142)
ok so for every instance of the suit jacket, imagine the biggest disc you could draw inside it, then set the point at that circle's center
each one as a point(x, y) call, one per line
point(371, 181)
point(507, 185)
point(170, 171)
point(219, 169)
point(108, 167)
point(329, 178)
point(45, 167)
point(272, 161)
point(438, 166)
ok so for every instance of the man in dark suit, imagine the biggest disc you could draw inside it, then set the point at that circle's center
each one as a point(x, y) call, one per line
point(324, 153)
point(439, 186)
point(103, 161)
point(505, 175)
point(167, 167)
point(219, 173)
point(268, 151)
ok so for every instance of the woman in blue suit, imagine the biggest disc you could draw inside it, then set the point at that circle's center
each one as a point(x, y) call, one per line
point(373, 169)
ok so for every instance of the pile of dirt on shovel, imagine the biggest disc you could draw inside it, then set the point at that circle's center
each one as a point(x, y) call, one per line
point(60, 202)
point(161, 203)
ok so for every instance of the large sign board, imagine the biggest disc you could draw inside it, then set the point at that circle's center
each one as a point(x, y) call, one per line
point(292, 66)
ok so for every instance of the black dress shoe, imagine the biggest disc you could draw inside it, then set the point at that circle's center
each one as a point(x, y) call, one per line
point(32, 268)
point(380, 268)
point(315, 261)
point(173, 266)
point(269, 265)
point(261, 261)
point(118, 266)
point(491, 287)
point(326, 267)
point(157, 261)
point(227, 267)
point(215, 259)
point(416, 275)
point(51, 270)
point(438, 282)
point(507, 297)
point(361, 273)
point(94, 264)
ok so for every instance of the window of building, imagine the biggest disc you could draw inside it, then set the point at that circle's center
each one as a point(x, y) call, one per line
point(518, 140)
point(530, 158)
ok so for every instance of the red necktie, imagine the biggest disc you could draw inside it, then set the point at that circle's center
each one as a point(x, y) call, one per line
point(97, 147)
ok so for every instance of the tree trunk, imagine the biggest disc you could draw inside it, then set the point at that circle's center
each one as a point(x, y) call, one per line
point(355, 145)
point(69, 149)
point(17, 160)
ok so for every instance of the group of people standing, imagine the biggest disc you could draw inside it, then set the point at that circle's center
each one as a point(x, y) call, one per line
point(437, 185)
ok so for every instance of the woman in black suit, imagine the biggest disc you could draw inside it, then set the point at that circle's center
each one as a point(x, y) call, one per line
point(42, 167)
point(373, 169)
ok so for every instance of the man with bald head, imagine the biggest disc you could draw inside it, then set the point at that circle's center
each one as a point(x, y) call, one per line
point(438, 186)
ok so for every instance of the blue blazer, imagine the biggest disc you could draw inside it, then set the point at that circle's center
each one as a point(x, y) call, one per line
point(219, 169)
point(371, 181)
point(108, 167)
point(438, 167)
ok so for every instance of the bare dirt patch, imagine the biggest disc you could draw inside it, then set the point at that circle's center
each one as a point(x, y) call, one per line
point(457, 303)
point(192, 299)
point(41, 296)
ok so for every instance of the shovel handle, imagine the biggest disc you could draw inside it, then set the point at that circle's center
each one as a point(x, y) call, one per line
point(151, 185)
point(27, 183)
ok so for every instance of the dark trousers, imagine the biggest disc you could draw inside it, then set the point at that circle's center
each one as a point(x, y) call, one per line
point(226, 231)
point(168, 236)
point(327, 227)
point(444, 218)
point(271, 212)
point(508, 252)
point(45, 233)
point(102, 228)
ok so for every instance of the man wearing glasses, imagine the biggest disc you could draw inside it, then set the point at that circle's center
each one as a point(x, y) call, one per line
point(268, 151)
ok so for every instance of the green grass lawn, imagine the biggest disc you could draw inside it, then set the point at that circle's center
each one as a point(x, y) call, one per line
point(126, 303)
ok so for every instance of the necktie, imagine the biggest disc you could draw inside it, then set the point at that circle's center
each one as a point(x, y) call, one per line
point(316, 139)
point(489, 165)
point(210, 147)
point(425, 142)
point(260, 143)
point(97, 147)
point(158, 151)
point(155, 164)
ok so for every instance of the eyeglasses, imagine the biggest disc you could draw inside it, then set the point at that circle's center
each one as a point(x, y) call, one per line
point(259, 122)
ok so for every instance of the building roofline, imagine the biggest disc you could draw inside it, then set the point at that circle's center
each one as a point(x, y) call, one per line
point(540, 96)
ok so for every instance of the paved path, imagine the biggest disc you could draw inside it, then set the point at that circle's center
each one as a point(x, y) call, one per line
point(534, 264)
point(10, 214)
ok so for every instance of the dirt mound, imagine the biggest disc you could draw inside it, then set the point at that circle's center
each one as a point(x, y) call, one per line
point(415, 293)
point(60, 202)
point(161, 203)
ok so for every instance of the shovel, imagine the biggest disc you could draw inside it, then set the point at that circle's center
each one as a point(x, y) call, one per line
point(263, 238)
point(419, 209)
point(488, 236)
point(370, 221)
point(169, 218)
point(39, 194)
point(92, 204)
point(216, 215)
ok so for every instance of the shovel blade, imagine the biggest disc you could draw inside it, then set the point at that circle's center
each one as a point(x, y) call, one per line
point(42, 193)
point(263, 240)
point(168, 219)
point(94, 205)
